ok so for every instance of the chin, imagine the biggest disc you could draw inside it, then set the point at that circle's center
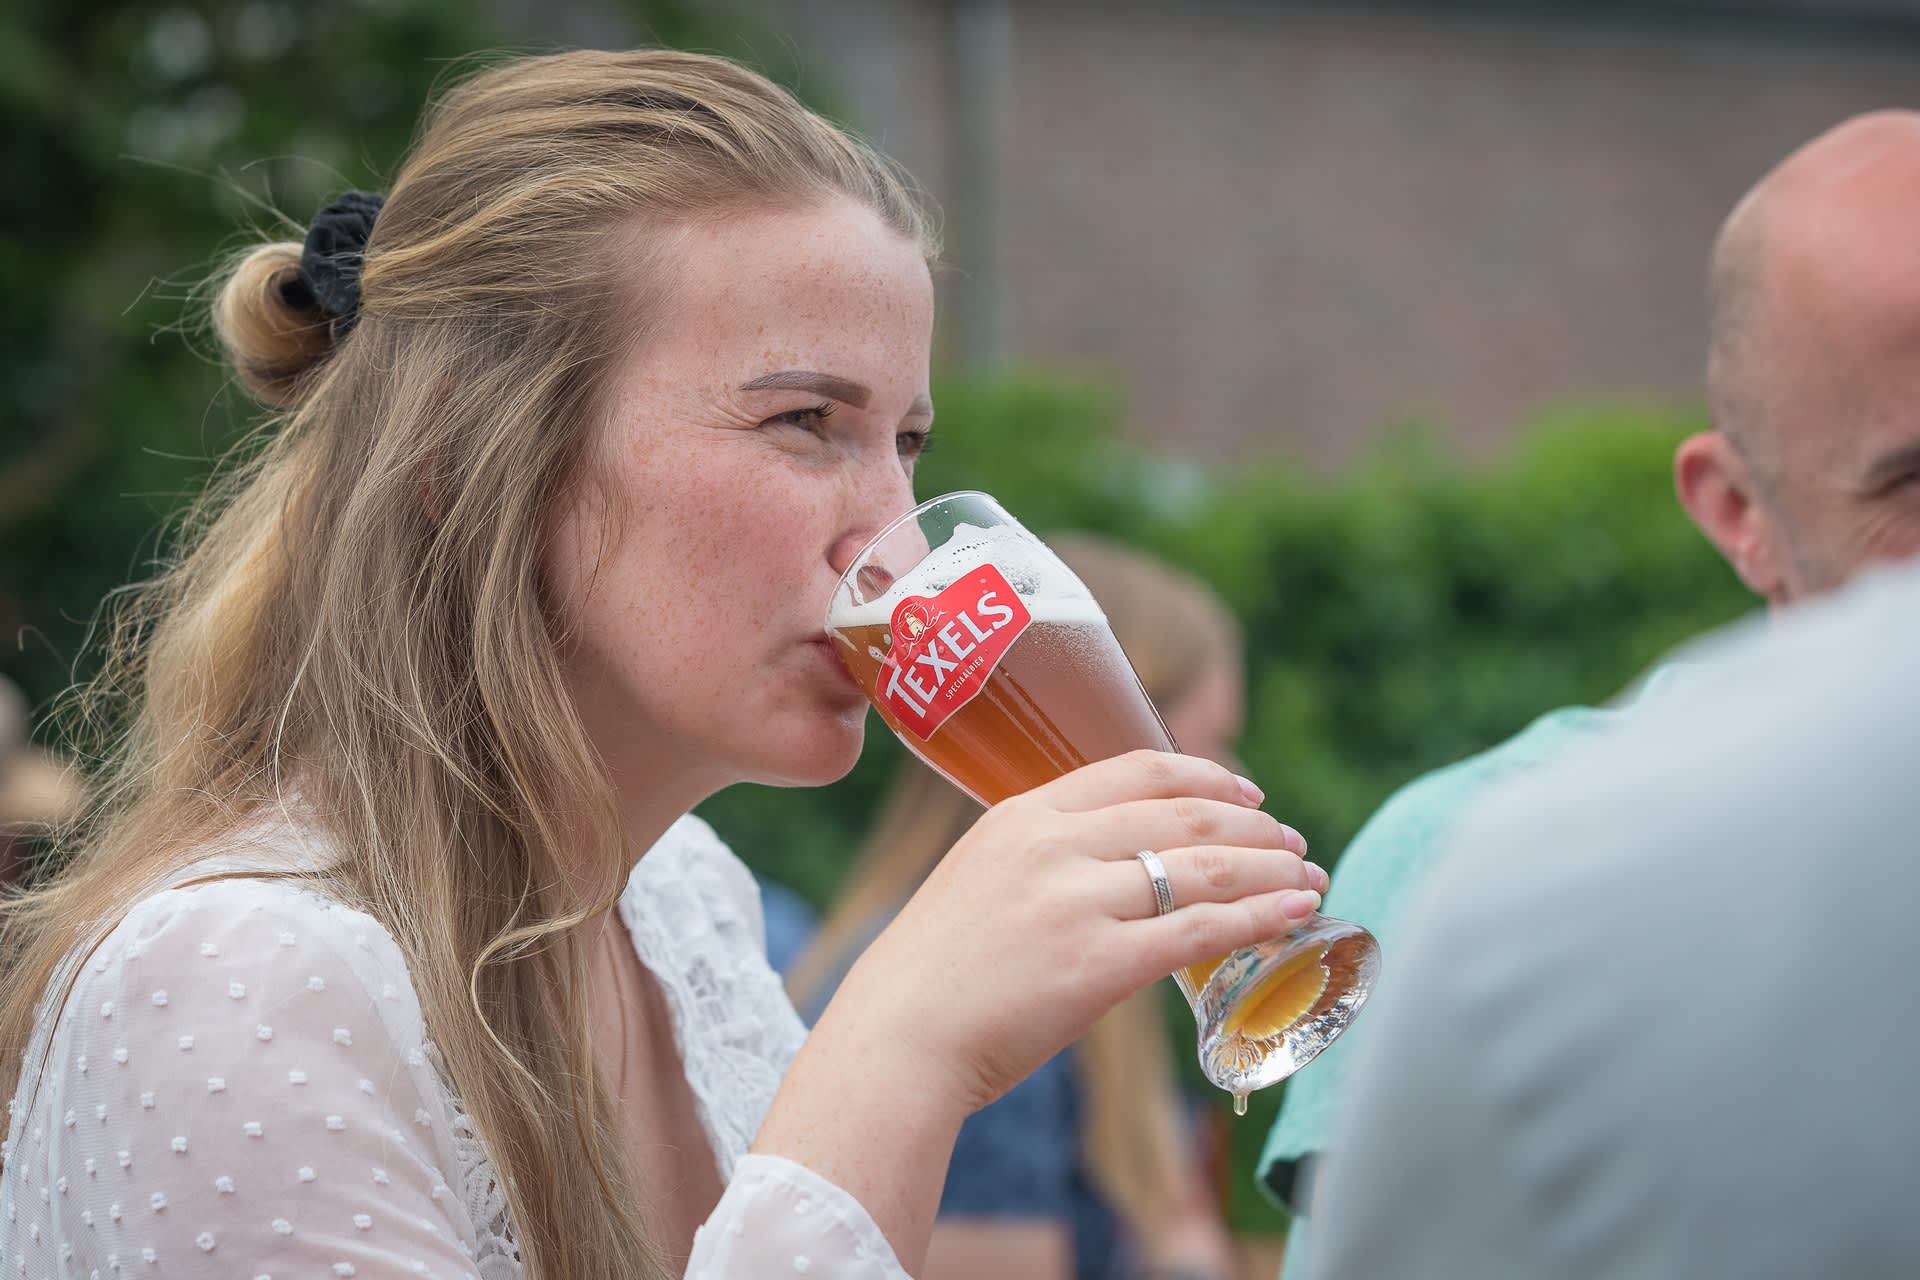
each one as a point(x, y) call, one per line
point(821, 753)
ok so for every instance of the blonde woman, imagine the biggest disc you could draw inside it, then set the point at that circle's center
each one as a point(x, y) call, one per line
point(1041, 1178)
point(389, 950)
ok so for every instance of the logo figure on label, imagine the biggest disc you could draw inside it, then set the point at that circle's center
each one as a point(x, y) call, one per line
point(945, 647)
point(912, 617)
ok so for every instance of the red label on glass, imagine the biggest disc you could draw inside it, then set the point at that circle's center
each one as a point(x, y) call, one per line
point(945, 647)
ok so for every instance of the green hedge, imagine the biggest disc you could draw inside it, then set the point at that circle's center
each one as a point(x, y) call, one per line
point(1398, 618)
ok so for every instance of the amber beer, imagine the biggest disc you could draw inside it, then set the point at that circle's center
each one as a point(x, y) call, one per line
point(1062, 696)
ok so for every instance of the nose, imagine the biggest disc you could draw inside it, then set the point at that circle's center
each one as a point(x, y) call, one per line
point(873, 503)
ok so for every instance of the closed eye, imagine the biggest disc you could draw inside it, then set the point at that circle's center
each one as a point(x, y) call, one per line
point(811, 418)
point(914, 444)
point(1896, 471)
point(1902, 485)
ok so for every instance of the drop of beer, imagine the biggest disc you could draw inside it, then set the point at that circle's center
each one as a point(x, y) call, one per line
point(1239, 1103)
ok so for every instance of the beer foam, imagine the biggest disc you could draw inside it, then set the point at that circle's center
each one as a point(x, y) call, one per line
point(1050, 590)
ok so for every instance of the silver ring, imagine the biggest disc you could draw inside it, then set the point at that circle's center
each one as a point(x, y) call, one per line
point(1157, 872)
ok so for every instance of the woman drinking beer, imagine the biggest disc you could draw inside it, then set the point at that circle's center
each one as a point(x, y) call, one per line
point(1081, 1169)
point(389, 949)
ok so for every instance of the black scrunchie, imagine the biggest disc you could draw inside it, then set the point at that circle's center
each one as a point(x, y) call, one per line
point(330, 263)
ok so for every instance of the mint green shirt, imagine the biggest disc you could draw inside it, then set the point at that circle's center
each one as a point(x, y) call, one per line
point(1375, 879)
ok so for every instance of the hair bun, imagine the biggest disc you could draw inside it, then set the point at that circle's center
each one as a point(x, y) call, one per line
point(286, 306)
point(272, 326)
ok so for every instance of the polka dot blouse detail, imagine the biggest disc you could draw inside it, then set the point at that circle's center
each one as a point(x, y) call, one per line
point(240, 1084)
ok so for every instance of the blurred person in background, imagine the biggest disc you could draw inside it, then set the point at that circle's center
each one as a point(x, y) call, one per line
point(1086, 1169)
point(1810, 472)
point(37, 793)
point(790, 921)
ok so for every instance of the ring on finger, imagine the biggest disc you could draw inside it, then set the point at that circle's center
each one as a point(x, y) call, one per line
point(1162, 886)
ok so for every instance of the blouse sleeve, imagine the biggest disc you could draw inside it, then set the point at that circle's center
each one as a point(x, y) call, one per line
point(779, 1218)
point(241, 1091)
point(238, 1085)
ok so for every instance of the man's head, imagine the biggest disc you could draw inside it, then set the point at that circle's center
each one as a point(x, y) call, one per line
point(1812, 468)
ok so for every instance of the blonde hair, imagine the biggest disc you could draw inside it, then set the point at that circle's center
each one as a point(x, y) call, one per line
point(355, 619)
point(1175, 631)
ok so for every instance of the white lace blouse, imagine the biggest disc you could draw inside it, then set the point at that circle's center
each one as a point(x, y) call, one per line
point(241, 1084)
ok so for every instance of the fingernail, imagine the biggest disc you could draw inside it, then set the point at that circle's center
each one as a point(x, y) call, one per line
point(1317, 876)
point(1299, 904)
point(1294, 837)
point(1253, 794)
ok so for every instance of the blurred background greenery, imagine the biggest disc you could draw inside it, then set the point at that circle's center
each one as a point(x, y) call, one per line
point(1403, 608)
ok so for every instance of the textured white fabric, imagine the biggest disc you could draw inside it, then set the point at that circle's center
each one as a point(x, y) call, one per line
point(240, 1084)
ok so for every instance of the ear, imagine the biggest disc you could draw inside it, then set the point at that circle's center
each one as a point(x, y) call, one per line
point(1719, 491)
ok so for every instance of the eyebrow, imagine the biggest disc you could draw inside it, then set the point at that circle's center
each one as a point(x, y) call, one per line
point(845, 390)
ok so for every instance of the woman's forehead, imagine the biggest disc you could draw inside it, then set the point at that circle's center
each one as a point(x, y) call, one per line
point(830, 288)
point(834, 261)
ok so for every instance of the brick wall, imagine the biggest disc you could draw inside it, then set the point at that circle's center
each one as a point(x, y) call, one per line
point(1284, 228)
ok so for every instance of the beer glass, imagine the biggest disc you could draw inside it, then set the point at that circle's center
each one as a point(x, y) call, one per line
point(993, 663)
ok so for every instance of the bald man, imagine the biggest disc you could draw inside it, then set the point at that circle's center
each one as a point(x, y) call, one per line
point(1812, 469)
point(1810, 472)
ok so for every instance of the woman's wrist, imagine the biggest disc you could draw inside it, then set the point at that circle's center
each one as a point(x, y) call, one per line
point(885, 1021)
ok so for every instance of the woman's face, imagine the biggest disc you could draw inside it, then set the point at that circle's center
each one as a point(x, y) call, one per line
point(757, 439)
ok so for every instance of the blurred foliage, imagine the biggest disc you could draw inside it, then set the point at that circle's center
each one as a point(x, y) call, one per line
point(1398, 618)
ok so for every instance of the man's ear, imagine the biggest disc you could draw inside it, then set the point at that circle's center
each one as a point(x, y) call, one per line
point(1719, 491)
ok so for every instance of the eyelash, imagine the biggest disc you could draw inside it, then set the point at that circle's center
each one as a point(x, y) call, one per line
point(912, 444)
point(808, 419)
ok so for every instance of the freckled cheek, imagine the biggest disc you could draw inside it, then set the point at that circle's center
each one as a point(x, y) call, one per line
point(740, 569)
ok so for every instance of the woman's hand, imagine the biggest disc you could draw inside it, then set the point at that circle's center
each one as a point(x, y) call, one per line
point(1042, 918)
point(1036, 923)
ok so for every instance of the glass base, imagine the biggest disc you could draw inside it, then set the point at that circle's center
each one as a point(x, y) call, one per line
point(1269, 1010)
